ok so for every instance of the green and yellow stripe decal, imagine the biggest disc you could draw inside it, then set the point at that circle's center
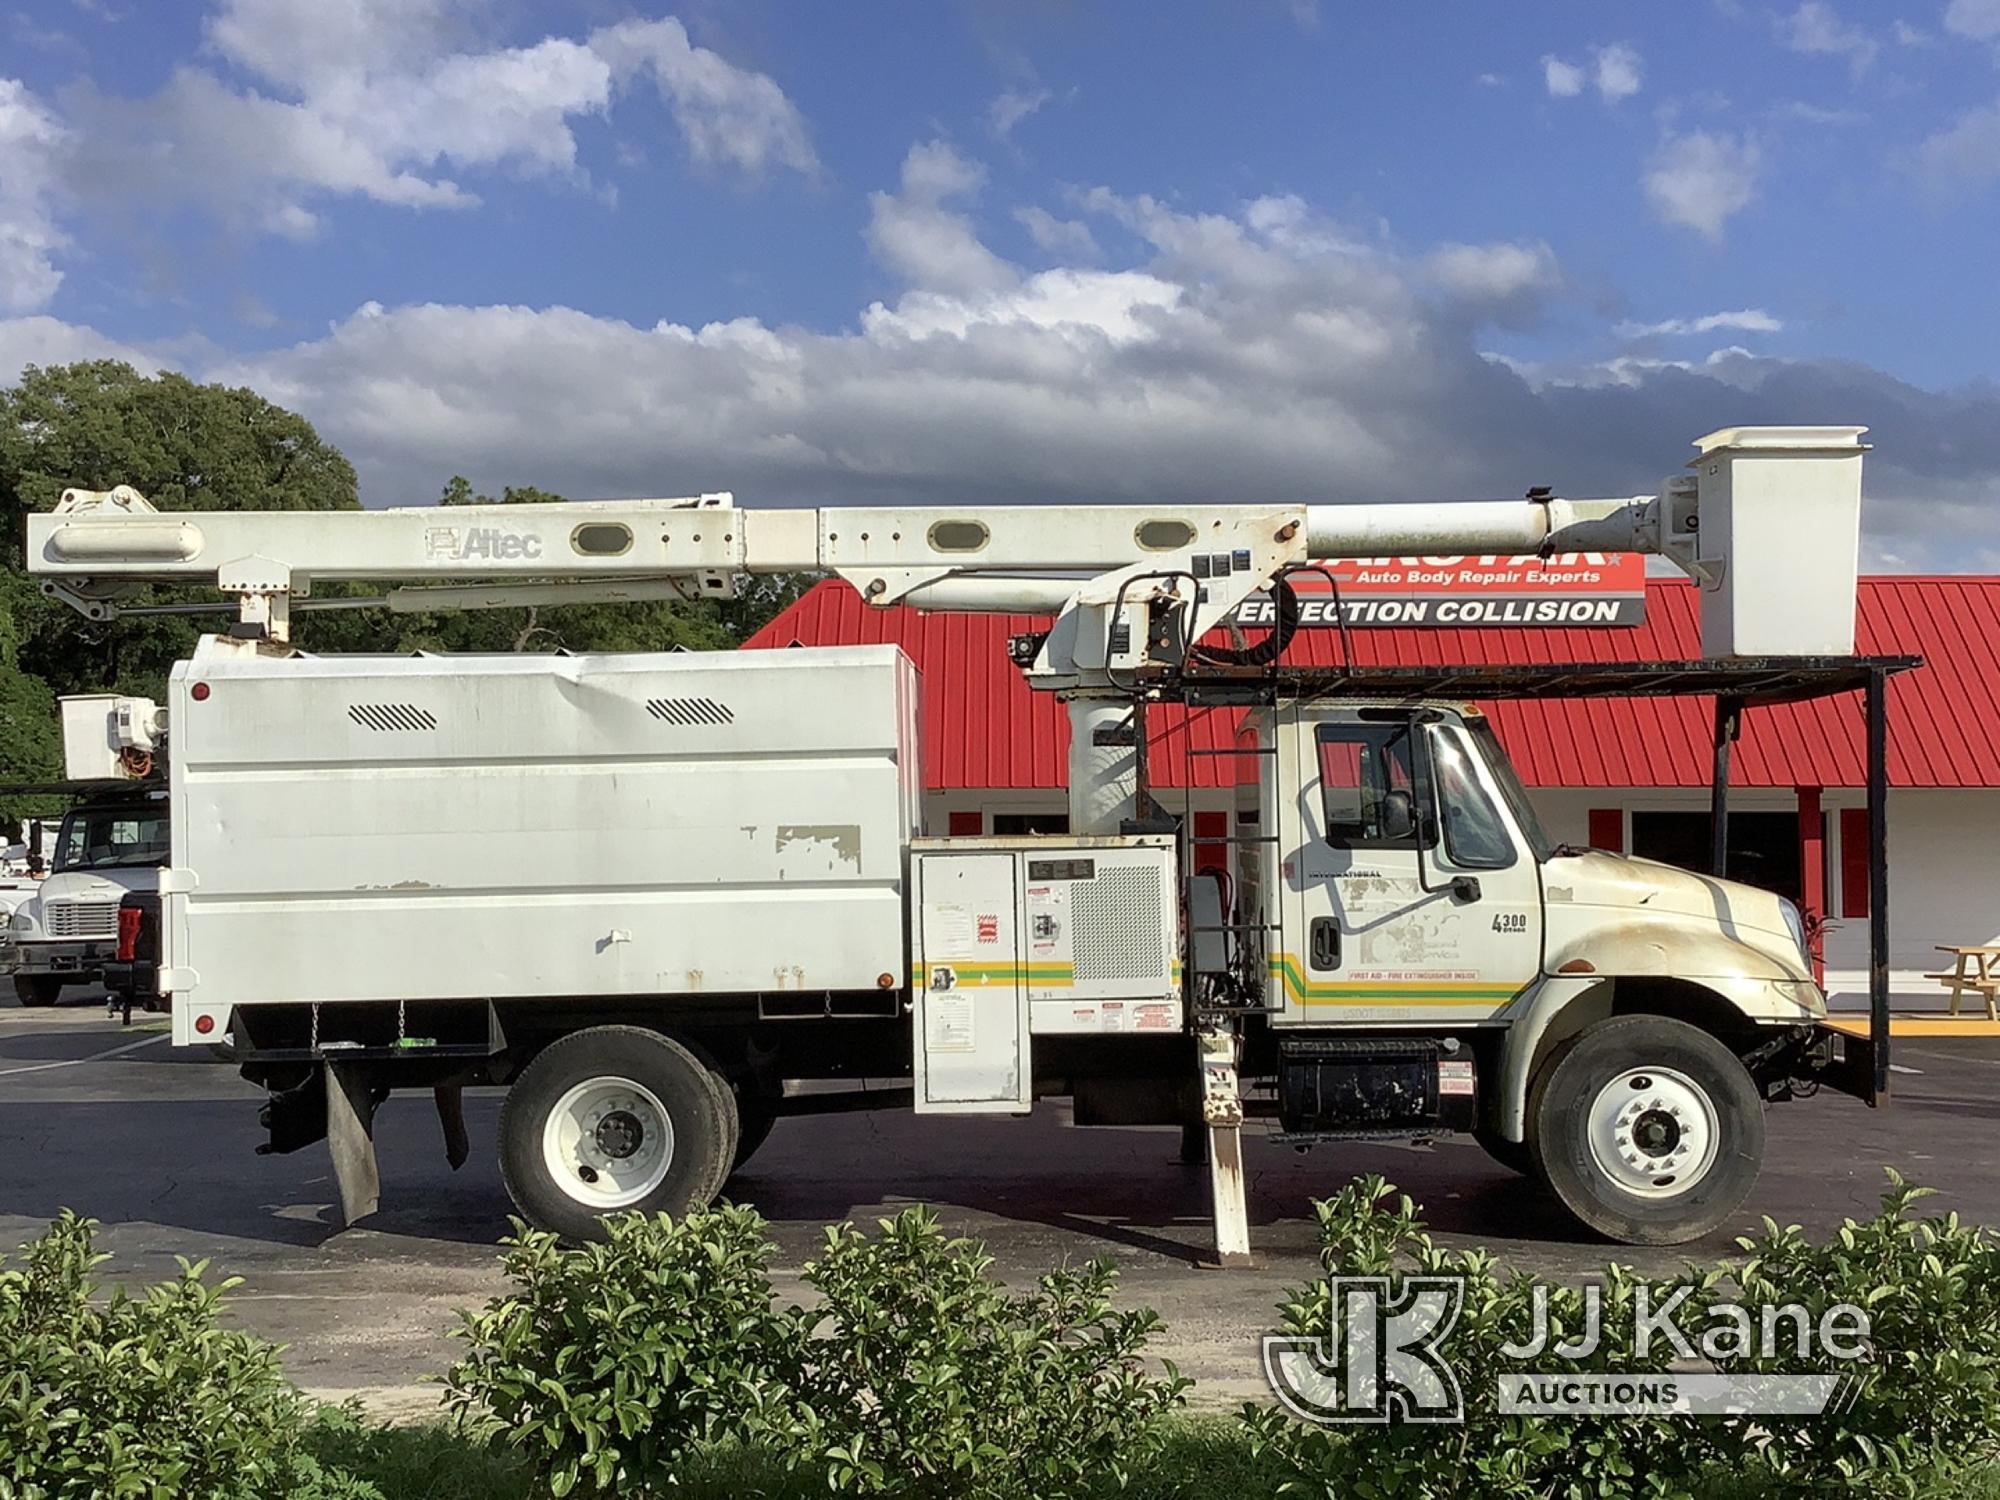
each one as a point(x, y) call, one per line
point(1000, 976)
point(1456, 994)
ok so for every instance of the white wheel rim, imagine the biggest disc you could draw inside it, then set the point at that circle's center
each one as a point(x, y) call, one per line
point(1654, 1132)
point(608, 1143)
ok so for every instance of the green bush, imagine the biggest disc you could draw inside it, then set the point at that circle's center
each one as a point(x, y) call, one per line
point(614, 1358)
point(143, 1396)
point(625, 1365)
point(1929, 1412)
point(924, 1376)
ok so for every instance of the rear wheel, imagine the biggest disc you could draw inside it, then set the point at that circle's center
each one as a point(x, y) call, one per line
point(1649, 1130)
point(610, 1120)
point(37, 989)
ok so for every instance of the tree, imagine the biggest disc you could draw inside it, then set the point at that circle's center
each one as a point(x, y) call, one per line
point(184, 447)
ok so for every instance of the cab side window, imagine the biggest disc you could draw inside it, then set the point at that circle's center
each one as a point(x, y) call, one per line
point(1366, 786)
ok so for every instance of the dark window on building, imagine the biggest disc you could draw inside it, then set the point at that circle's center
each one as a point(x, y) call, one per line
point(1763, 846)
point(1015, 825)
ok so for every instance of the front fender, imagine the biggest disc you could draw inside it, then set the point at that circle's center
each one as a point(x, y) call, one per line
point(1560, 1005)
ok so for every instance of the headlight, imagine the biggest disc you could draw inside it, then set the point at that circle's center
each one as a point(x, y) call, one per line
point(1795, 924)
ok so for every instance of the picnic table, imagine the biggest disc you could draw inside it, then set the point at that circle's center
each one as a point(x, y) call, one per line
point(1972, 969)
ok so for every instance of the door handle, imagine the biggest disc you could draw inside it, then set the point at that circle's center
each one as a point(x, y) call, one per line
point(1325, 944)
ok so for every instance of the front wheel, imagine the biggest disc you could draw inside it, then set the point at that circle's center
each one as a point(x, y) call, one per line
point(1649, 1130)
point(610, 1120)
point(37, 989)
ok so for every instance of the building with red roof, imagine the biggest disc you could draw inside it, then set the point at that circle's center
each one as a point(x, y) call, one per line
point(1621, 773)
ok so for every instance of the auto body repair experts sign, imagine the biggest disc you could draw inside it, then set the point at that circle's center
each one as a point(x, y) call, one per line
point(1568, 590)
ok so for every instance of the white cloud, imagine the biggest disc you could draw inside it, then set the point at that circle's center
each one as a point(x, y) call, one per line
point(1978, 19)
point(1744, 320)
point(1485, 275)
point(1012, 106)
point(1071, 237)
point(1614, 71)
point(1701, 179)
point(1815, 27)
point(729, 115)
point(43, 340)
point(1618, 69)
point(30, 140)
point(392, 100)
point(1260, 351)
point(1964, 158)
point(929, 244)
point(1563, 80)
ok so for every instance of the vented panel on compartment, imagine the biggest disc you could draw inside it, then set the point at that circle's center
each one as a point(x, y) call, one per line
point(690, 711)
point(1116, 920)
point(391, 718)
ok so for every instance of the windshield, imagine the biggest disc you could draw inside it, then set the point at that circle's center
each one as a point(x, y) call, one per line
point(103, 838)
point(1510, 786)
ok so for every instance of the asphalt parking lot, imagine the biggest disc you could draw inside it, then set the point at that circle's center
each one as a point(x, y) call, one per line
point(159, 1145)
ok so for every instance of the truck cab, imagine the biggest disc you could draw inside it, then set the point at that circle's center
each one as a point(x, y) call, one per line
point(66, 932)
point(1430, 950)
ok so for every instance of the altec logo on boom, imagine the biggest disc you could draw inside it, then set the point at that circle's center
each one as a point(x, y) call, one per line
point(480, 544)
point(1570, 589)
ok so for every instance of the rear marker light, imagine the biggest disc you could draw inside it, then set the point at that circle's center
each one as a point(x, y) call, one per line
point(199, 692)
point(128, 934)
point(204, 1024)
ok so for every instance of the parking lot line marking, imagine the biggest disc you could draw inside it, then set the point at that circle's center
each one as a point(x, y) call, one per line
point(71, 1062)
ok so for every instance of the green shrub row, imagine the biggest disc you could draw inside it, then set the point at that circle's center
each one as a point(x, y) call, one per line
point(915, 1372)
point(104, 1398)
point(1927, 1415)
point(661, 1358)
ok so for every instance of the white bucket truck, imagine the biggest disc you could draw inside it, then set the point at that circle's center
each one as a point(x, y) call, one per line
point(651, 893)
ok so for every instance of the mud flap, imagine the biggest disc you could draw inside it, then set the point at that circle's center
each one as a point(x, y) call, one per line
point(451, 1118)
point(350, 1139)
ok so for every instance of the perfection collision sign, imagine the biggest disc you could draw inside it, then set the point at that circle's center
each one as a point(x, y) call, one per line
point(1569, 590)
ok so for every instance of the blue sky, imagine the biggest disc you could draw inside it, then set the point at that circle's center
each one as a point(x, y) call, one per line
point(1039, 250)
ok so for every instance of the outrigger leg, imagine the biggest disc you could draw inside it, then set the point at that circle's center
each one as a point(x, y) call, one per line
point(1222, 1111)
point(350, 1139)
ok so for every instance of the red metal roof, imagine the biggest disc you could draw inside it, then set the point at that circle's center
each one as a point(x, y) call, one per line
point(984, 728)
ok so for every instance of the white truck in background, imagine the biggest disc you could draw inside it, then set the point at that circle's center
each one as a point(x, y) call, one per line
point(64, 928)
point(650, 894)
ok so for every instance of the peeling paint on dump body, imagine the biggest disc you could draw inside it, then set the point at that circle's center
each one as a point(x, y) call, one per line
point(799, 846)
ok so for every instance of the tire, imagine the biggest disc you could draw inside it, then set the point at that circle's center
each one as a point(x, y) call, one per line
point(1515, 1156)
point(1648, 1130)
point(37, 989)
point(614, 1119)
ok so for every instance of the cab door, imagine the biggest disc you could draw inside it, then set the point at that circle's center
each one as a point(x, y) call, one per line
point(1415, 899)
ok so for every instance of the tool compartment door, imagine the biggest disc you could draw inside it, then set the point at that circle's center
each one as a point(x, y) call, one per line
point(971, 1032)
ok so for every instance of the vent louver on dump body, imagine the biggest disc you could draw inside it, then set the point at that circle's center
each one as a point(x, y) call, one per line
point(391, 718)
point(690, 711)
